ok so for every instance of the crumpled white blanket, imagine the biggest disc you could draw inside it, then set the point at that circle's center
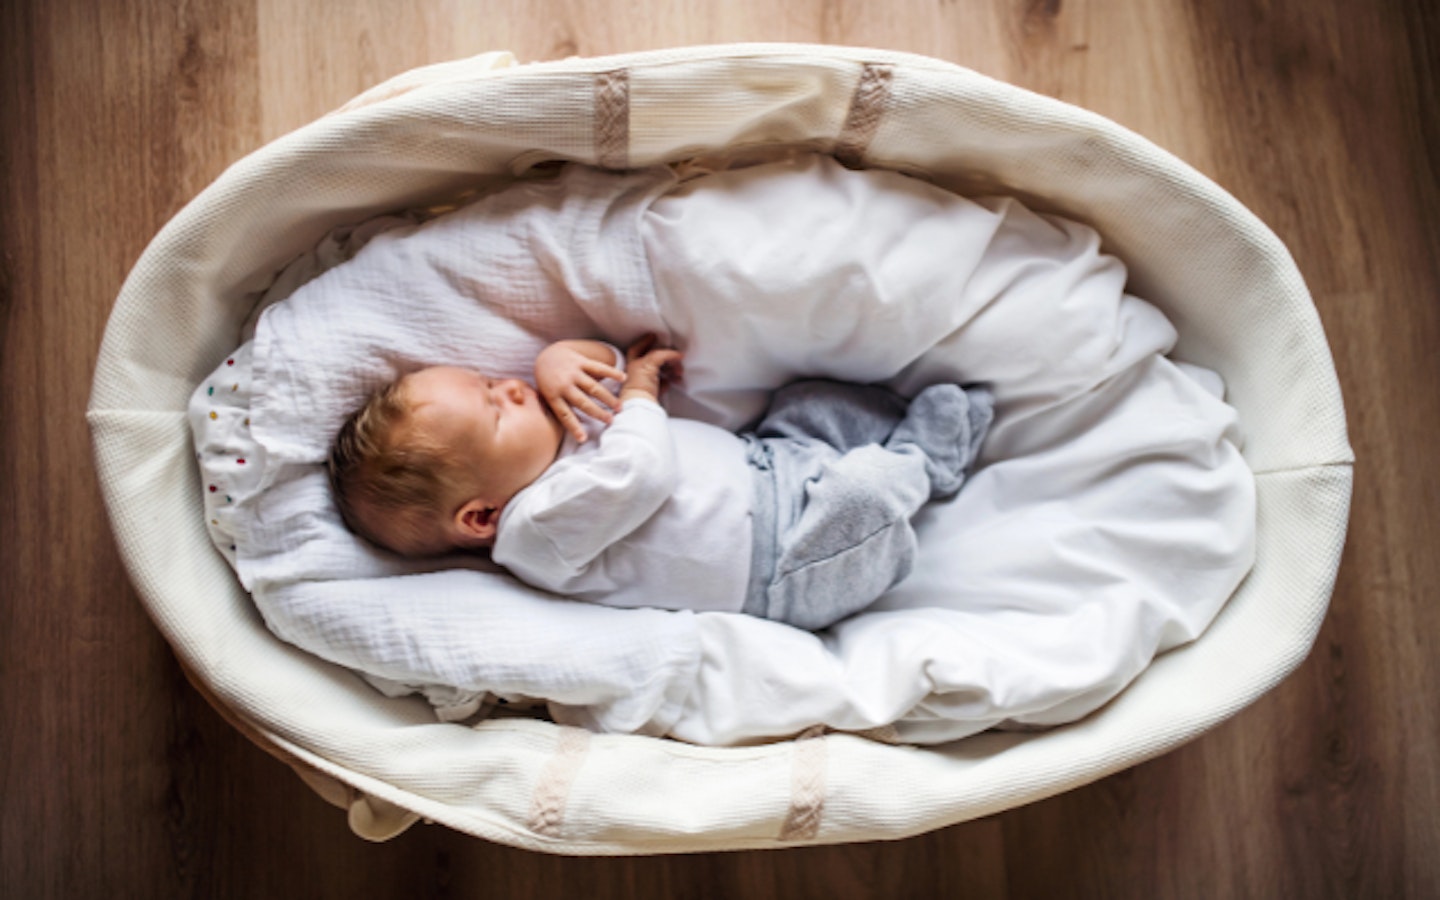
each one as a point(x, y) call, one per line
point(1109, 519)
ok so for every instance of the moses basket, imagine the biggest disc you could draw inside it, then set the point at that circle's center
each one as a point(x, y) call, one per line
point(1226, 282)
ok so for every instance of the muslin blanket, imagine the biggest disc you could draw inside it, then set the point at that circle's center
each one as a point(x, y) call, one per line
point(1109, 519)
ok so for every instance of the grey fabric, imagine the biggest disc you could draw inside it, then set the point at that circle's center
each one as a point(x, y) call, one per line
point(839, 471)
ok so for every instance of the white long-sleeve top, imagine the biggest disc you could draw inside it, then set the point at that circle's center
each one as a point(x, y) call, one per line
point(648, 511)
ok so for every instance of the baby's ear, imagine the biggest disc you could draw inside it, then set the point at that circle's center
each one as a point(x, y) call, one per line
point(476, 522)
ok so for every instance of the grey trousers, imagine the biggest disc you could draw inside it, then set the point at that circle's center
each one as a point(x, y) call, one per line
point(839, 471)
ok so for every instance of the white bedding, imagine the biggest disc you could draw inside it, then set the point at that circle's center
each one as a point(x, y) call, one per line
point(1111, 517)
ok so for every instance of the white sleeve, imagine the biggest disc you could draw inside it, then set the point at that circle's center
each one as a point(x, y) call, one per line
point(592, 500)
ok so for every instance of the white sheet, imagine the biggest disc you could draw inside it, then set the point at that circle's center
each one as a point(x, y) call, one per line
point(1111, 518)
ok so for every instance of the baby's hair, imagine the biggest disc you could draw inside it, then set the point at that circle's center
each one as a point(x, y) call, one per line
point(382, 472)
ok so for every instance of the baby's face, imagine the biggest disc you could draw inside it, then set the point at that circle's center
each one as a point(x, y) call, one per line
point(500, 429)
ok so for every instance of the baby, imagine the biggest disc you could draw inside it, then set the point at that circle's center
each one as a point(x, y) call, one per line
point(602, 497)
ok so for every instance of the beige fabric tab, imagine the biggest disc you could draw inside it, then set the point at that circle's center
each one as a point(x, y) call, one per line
point(612, 119)
point(808, 765)
point(867, 105)
point(547, 805)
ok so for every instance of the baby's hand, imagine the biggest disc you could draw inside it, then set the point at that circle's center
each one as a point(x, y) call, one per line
point(568, 374)
point(649, 369)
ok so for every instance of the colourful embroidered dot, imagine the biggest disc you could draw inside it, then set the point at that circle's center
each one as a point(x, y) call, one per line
point(232, 548)
point(229, 362)
point(247, 422)
point(240, 462)
point(234, 388)
point(214, 521)
point(211, 392)
point(227, 499)
point(213, 489)
point(213, 415)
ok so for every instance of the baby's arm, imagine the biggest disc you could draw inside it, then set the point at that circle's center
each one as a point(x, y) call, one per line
point(568, 376)
point(558, 527)
point(589, 502)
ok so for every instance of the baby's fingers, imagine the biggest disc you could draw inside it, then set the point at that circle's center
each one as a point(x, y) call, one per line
point(674, 371)
point(669, 363)
point(640, 347)
point(600, 393)
point(594, 388)
point(600, 371)
point(568, 420)
point(578, 398)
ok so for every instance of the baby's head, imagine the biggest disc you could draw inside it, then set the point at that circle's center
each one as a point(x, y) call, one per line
point(429, 462)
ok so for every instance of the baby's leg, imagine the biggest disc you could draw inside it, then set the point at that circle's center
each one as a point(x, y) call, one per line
point(845, 416)
point(947, 424)
point(850, 539)
point(850, 467)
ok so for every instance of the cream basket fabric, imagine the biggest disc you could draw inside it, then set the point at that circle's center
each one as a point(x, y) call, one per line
point(1224, 280)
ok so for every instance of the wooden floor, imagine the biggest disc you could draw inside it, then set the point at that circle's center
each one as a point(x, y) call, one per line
point(1321, 115)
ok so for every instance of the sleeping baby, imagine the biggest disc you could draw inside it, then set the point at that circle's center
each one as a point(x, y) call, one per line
point(587, 488)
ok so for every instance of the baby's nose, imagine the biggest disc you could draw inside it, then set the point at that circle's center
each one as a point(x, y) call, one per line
point(512, 389)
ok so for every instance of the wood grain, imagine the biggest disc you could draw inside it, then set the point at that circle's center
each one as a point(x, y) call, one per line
point(1320, 116)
